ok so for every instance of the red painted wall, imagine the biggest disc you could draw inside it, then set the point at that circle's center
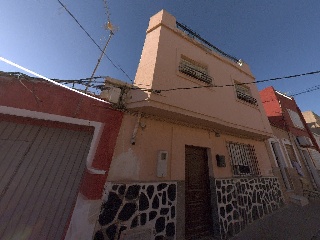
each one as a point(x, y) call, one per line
point(42, 96)
point(276, 106)
point(272, 107)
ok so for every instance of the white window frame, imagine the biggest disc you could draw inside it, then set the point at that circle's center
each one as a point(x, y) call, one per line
point(276, 140)
point(287, 142)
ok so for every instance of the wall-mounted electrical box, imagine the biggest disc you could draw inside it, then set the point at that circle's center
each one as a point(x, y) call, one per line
point(162, 164)
point(221, 160)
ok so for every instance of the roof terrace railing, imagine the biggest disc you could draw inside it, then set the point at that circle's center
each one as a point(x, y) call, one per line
point(196, 36)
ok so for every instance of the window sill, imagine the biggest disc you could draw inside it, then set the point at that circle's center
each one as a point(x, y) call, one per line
point(246, 103)
point(196, 81)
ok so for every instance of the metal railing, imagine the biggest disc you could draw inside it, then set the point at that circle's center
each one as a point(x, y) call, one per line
point(196, 36)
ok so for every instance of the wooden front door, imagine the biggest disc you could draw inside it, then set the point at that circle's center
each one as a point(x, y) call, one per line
point(198, 207)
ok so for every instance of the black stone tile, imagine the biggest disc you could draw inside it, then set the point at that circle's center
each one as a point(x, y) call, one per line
point(155, 202)
point(98, 236)
point(164, 211)
point(127, 211)
point(111, 231)
point(224, 200)
point(134, 222)
point(229, 197)
point(161, 186)
point(122, 189)
point(218, 184)
point(229, 208)
point(164, 198)
point(109, 209)
point(143, 219)
point(160, 224)
point(219, 196)
point(152, 215)
point(170, 230)
point(143, 202)
point(222, 212)
point(133, 192)
point(172, 192)
point(173, 212)
point(150, 191)
point(235, 215)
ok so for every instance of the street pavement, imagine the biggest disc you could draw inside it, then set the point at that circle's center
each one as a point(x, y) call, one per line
point(292, 222)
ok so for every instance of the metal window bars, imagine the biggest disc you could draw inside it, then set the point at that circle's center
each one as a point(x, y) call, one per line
point(243, 159)
point(247, 98)
point(192, 71)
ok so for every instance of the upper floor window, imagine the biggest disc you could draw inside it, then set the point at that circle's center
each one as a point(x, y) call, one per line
point(295, 118)
point(244, 94)
point(243, 159)
point(194, 69)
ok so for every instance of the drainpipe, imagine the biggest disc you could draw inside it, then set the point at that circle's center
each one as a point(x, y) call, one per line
point(135, 130)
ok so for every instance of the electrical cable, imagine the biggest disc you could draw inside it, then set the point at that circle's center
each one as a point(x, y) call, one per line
point(74, 18)
point(317, 87)
point(232, 85)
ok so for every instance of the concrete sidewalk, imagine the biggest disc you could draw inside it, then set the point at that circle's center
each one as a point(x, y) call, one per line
point(291, 222)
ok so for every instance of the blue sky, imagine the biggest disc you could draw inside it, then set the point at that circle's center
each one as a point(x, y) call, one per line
point(276, 38)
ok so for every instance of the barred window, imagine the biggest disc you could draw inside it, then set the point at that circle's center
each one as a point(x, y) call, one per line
point(244, 94)
point(194, 69)
point(243, 159)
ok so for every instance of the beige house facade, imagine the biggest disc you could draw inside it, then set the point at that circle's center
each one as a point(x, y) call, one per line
point(289, 165)
point(191, 158)
point(313, 122)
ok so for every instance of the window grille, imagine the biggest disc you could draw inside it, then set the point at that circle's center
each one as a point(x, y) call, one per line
point(244, 94)
point(243, 159)
point(194, 69)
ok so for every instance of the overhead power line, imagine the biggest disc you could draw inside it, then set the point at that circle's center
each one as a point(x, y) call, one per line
point(74, 18)
point(314, 88)
point(85, 80)
point(232, 85)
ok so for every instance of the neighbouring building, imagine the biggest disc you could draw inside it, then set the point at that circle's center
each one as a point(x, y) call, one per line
point(288, 165)
point(313, 122)
point(56, 148)
point(191, 158)
point(300, 145)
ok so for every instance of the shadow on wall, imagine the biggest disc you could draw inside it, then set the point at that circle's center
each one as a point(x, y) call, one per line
point(277, 121)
